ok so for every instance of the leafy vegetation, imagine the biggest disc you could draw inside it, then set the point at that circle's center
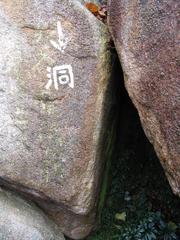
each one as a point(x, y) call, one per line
point(152, 227)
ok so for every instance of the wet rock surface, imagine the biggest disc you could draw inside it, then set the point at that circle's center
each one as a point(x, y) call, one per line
point(22, 220)
point(54, 71)
point(145, 35)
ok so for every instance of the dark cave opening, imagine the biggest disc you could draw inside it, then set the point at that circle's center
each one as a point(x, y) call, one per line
point(138, 196)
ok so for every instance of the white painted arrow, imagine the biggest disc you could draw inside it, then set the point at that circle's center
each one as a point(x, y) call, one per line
point(62, 40)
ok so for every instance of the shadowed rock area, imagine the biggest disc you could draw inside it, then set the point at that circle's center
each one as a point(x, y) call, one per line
point(139, 202)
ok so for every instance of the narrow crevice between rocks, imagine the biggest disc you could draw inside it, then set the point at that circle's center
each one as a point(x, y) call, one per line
point(134, 187)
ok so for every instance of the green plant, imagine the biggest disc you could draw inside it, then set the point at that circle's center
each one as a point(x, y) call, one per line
point(152, 227)
point(167, 230)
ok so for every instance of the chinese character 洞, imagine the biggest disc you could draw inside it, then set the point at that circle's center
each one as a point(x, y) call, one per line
point(60, 75)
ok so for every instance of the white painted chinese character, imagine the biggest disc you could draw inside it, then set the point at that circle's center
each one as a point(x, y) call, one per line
point(62, 40)
point(60, 75)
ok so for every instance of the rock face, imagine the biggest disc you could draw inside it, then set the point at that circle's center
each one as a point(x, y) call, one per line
point(22, 220)
point(145, 35)
point(54, 71)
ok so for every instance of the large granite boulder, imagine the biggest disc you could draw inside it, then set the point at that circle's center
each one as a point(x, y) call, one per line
point(54, 71)
point(146, 38)
point(22, 220)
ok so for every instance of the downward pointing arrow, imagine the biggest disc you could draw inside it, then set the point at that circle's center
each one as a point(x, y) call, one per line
point(62, 40)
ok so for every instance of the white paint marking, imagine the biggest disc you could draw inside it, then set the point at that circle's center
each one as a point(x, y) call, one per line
point(62, 40)
point(60, 75)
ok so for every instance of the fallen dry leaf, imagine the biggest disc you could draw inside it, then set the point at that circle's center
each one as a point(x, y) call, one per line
point(121, 216)
point(92, 8)
point(99, 11)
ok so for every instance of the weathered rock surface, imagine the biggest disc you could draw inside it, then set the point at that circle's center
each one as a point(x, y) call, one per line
point(145, 35)
point(54, 71)
point(22, 220)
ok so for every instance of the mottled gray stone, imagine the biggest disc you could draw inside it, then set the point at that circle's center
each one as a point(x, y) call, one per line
point(50, 145)
point(22, 220)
